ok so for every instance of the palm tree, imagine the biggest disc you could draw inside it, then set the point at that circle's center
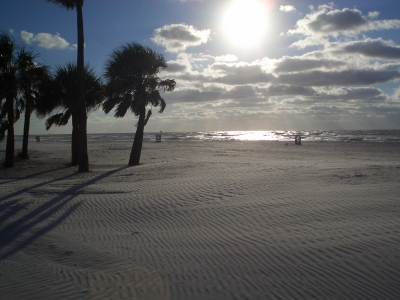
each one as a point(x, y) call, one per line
point(81, 114)
point(61, 96)
point(8, 91)
point(31, 76)
point(132, 83)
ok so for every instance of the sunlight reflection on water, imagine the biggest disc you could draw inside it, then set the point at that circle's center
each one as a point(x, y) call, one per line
point(280, 135)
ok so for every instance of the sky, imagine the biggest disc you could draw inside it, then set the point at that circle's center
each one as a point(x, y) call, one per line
point(238, 64)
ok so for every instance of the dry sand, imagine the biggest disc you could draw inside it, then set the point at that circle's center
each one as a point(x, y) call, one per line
point(203, 220)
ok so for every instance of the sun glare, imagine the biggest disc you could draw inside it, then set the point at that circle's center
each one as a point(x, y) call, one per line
point(245, 22)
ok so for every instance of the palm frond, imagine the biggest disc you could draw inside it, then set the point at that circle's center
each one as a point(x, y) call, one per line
point(94, 90)
point(110, 103)
point(68, 4)
point(149, 113)
point(8, 67)
point(3, 111)
point(17, 113)
point(7, 50)
point(168, 85)
point(122, 107)
point(62, 91)
point(21, 104)
point(52, 120)
point(3, 129)
point(162, 105)
point(156, 100)
point(65, 118)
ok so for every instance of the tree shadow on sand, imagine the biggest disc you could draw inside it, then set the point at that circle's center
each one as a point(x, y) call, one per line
point(25, 224)
point(32, 175)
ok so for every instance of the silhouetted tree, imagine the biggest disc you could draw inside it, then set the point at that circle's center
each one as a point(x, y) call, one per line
point(62, 96)
point(31, 76)
point(132, 82)
point(9, 87)
point(81, 114)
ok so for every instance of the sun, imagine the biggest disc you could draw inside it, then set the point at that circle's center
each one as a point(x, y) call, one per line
point(245, 22)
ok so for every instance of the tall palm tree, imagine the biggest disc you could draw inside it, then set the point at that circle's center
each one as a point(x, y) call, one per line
point(61, 96)
point(31, 76)
point(81, 114)
point(132, 83)
point(8, 92)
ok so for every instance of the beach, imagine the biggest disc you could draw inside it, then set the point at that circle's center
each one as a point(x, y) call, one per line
point(203, 220)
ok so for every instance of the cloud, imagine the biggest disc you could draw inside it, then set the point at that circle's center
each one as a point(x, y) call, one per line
point(375, 48)
point(327, 21)
point(239, 75)
point(46, 40)
point(176, 67)
point(178, 37)
point(344, 78)
point(226, 58)
point(288, 64)
point(318, 68)
point(342, 94)
point(287, 8)
point(310, 41)
point(216, 94)
point(332, 86)
point(373, 14)
point(194, 95)
point(285, 90)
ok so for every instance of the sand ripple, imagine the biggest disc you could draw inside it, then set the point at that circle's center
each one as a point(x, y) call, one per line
point(206, 221)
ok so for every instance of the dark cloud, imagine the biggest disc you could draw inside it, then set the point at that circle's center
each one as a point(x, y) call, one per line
point(376, 48)
point(367, 94)
point(178, 33)
point(212, 94)
point(176, 67)
point(380, 110)
point(285, 90)
point(249, 103)
point(300, 64)
point(337, 20)
point(344, 78)
point(243, 75)
point(177, 37)
point(193, 77)
point(358, 94)
point(327, 21)
point(391, 67)
point(328, 110)
point(193, 95)
point(240, 92)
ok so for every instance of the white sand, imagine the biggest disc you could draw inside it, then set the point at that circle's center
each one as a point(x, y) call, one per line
point(203, 220)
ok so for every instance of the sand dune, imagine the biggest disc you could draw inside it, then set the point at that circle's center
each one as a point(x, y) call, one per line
point(203, 220)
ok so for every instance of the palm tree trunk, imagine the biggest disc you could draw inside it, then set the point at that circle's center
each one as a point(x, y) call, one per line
point(75, 142)
point(24, 153)
point(9, 160)
point(138, 140)
point(82, 118)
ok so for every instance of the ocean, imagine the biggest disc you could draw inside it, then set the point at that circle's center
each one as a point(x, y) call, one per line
point(280, 135)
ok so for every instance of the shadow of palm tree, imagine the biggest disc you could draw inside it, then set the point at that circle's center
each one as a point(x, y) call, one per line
point(13, 208)
point(14, 230)
point(24, 190)
point(33, 175)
